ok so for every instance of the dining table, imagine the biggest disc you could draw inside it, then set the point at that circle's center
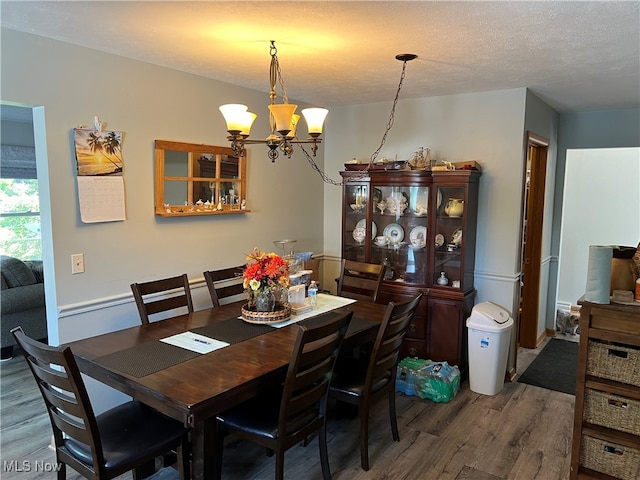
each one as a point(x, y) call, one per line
point(148, 362)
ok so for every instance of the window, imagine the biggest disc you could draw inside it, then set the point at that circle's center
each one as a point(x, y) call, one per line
point(20, 219)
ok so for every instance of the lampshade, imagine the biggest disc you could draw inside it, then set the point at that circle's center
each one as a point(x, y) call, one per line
point(247, 121)
point(282, 114)
point(295, 118)
point(235, 116)
point(315, 118)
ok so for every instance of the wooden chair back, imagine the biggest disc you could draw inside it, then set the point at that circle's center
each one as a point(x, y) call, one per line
point(360, 280)
point(286, 416)
point(224, 283)
point(175, 293)
point(97, 447)
point(359, 384)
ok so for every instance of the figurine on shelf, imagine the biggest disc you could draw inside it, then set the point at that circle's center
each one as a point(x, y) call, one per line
point(243, 205)
point(219, 207)
point(442, 279)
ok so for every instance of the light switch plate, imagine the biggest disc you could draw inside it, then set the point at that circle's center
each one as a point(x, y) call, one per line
point(77, 263)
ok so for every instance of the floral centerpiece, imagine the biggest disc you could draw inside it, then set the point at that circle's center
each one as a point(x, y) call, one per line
point(266, 280)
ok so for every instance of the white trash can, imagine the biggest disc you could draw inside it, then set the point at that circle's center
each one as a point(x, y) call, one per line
point(489, 328)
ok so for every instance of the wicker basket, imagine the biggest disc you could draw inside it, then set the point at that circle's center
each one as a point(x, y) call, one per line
point(612, 411)
point(281, 313)
point(610, 458)
point(615, 362)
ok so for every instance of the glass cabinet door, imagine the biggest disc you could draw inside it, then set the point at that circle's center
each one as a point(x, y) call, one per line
point(399, 220)
point(355, 233)
point(448, 236)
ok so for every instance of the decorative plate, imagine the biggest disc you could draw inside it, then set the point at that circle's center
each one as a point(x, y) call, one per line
point(439, 240)
point(439, 198)
point(418, 236)
point(394, 233)
point(359, 234)
point(456, 238)
point(374, 227)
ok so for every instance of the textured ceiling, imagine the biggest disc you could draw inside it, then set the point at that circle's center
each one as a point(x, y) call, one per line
point(577, 56)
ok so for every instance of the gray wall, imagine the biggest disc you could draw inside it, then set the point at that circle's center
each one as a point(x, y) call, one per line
point(146, 102)
point(587, 130)
point(602, 209)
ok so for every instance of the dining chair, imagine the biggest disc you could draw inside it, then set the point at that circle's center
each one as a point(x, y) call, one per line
point(224, 283)
point(101, 447)
point(287, 414)
point(359, 280)
point(359, 382)
point(176, 294)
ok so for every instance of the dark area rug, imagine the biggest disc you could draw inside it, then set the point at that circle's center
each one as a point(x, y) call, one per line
point(555, 367)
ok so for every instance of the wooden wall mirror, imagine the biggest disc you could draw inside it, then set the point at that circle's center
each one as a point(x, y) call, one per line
point(194, 179)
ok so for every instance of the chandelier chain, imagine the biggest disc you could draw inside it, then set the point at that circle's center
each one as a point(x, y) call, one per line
point(364, 173)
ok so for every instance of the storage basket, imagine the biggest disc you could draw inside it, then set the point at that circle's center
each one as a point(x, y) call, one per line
point(615, 362)
point(610, 458)
point(612, 411)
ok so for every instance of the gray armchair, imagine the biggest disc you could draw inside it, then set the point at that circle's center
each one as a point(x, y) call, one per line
point(22, 302)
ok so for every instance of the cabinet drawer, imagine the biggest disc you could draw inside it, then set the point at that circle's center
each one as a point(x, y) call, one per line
point(610, 458)
point(612, 411)
point(615, 362)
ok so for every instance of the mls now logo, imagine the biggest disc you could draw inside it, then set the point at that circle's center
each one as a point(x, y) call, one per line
point(29, 466)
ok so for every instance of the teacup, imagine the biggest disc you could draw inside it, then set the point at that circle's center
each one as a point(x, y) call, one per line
point(380, 240)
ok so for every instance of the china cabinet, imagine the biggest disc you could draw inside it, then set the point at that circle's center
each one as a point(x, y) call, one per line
point(422, 225)
point(606, 432)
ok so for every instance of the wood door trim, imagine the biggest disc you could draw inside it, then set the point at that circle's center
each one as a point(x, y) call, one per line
point(537, 151)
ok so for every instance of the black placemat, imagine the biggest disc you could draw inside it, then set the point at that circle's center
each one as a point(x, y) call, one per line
point(147, 358)
point(151, 357)
point(233, 330)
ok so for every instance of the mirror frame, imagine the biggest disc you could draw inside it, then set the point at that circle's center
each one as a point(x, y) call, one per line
point(194, 152)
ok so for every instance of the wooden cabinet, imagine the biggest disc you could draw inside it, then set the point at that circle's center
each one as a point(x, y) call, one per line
point(422, 224)
point(606, 432)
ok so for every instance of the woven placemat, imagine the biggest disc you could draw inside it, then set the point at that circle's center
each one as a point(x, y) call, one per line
point(147, 358)
point(233, 330)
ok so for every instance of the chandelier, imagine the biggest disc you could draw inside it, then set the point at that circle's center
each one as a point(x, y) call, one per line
point(284, 122)
point(282, 119)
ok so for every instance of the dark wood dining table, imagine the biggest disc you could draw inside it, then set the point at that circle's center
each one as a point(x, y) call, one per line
point(193, 387)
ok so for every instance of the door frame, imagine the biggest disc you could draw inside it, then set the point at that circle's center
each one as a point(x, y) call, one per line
point(531, 225)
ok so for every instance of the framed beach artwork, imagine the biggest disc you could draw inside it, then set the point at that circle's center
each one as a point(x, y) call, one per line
point(98, 153)
point(100, 181)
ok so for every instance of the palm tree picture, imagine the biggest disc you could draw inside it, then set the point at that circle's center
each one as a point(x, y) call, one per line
point(97, 152)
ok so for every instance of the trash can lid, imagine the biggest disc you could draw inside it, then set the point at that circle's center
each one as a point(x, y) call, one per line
point(488, 315)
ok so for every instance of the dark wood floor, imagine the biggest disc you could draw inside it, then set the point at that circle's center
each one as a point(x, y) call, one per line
point(524, 432)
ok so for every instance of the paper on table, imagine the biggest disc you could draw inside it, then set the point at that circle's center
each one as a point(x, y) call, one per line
point(194, 342)
point(326, 303)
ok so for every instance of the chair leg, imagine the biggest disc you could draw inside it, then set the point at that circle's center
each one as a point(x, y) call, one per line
point(392, 415)
point(280, 464)
point(324, 454)
point(218, 448)
point(364, 435)
point(184, 460)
